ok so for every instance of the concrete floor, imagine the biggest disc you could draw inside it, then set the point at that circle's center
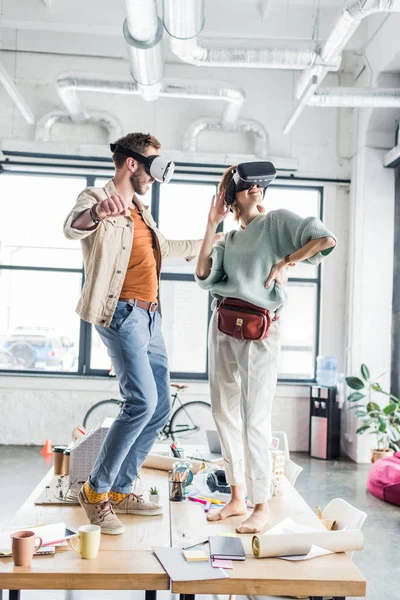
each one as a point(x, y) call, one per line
point(21, 469)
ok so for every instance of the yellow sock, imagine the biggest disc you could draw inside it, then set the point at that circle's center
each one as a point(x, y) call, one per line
point(117, 496)
point(92, 496)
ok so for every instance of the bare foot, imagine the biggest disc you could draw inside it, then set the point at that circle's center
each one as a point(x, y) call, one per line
point(231, 509)
point(255, 522)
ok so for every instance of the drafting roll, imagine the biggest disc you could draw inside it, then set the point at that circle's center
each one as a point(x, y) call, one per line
point(292, 544)
point(164, 463)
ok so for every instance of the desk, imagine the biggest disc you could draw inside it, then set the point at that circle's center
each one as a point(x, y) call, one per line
point(127, 562)
point(124, 562)
point(333, 575)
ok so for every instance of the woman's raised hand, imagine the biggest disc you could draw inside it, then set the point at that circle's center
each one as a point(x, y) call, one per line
point(218, 210)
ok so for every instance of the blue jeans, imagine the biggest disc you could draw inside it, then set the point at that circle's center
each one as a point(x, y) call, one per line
point(136, 347)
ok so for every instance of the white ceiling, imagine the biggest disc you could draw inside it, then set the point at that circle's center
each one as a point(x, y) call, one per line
point(86, 25)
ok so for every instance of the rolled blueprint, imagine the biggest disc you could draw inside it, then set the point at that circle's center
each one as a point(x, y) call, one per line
point(293, 544)
point(164, 463)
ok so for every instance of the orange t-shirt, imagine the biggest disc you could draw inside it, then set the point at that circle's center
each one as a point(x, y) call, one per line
point(141, 276)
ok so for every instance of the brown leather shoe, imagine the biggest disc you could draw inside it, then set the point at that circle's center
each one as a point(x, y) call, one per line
point(101, 514)
point(136, 505)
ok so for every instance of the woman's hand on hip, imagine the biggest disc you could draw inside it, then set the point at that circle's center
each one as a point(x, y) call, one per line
point(218, 210)
point(278, 273)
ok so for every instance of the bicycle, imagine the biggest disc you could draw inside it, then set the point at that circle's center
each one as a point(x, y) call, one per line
point(189, 421)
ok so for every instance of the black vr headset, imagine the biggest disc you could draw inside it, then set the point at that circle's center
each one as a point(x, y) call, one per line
point(247, 175)
point(216, 482)
point(156, 166)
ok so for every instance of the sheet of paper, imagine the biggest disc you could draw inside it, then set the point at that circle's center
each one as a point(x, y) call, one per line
point(223, 564)
point(179, 569)
point(48, 533)
point(288, 525)
point(314, 553)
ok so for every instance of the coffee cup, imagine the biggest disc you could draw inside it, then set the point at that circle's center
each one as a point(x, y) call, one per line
point(89, 541)
point(58, 456)
point(24, 547)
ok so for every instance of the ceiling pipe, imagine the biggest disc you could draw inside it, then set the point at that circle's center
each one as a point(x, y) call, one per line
point(101, 119)
point(345, 26)
point(184, 21)
point(257, 130)
point(16, 95)
point(356, 97)
point(69, 85)
point(143, 31)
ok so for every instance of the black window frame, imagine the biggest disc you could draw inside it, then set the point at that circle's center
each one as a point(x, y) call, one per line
point(187, 173)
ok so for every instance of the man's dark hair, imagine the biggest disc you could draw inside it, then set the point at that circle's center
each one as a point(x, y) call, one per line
point(134, 141)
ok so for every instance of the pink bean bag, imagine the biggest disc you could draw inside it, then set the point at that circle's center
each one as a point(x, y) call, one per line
point(384, 479)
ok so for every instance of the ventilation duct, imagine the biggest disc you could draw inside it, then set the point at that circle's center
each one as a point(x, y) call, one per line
point(68, 87)
point(356, 97)
point(143, 32)
point(254, 128)
point(101, 119)
point(184, 21)
point(345, 26)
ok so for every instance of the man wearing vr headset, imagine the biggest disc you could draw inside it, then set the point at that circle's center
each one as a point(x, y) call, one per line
point(122, 252)
point(246, 273)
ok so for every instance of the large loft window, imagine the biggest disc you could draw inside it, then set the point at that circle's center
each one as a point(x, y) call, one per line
point(41, 274)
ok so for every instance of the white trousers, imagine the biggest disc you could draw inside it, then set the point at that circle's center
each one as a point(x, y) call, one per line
point(243, 378)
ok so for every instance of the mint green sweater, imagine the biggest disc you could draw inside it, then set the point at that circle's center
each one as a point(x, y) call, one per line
point(242, 261)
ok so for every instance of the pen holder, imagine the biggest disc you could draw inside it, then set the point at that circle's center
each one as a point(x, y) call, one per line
point(176, 491)
point(182, 471)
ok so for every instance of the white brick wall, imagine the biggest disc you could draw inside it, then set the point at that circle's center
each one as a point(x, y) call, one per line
point(35, 408)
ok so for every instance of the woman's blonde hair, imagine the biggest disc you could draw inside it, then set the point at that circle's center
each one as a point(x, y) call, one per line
point(223, 186)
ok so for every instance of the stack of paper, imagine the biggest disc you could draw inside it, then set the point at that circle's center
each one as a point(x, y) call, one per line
point(51, 535)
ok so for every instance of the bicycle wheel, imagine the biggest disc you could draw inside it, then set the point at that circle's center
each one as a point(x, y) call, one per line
point(190, 422)
point(100, 411)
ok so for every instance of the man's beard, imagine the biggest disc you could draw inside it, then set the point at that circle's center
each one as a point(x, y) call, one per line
point(138, 187)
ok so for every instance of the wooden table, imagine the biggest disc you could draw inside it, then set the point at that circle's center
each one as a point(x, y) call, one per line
point(127, 561)
point(124, 562)
point(333, 575)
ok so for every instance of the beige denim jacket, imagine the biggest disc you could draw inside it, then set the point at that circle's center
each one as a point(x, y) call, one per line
point(106, 251)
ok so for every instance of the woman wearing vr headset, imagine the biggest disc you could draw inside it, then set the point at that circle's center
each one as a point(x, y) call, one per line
point(246, 273)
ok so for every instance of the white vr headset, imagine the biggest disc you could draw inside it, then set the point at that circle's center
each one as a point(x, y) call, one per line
point(156, 166)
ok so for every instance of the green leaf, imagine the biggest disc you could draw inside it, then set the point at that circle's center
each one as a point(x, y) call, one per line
point(394, 445)
point(390, 408)
point(361, 413)
point(365, 372)
point(376, 387)
point(353, 406)
point(395, 435)
point(382, 426)
point(362, 429)
point(354, 396)
point(373, 406)
point(355, 383)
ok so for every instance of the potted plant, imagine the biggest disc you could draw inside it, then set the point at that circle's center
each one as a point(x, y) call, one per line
point(154, 495)
point(381, 421)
